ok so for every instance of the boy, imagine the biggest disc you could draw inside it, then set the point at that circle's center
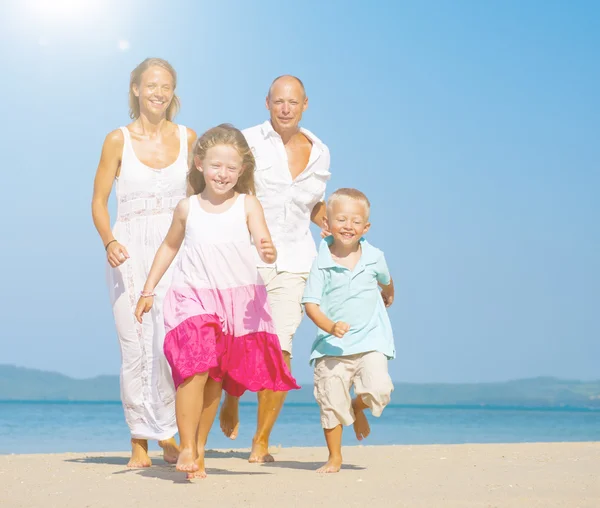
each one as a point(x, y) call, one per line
point(354, 340)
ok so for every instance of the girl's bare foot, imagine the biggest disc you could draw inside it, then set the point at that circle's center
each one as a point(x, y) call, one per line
point(229, 417)
point(361, 424)
point(170, 450)
point(201, 472)
point(333, 465)
point(260, 452)
point(139, 454)
point(186, 461)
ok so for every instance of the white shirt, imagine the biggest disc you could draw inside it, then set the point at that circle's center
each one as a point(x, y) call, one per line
point(288, 203)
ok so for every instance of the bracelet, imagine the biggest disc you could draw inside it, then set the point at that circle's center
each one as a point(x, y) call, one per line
point(146, 295)
point(106, 246)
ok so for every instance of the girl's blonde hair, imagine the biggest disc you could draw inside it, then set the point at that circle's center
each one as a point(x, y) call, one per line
point(136, 78)
point(224, 134)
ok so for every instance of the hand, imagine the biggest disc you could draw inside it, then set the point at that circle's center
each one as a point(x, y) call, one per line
point(144, 305)
point(116, 254)
point(387, 293)
point(267, 250)
point(339, 329)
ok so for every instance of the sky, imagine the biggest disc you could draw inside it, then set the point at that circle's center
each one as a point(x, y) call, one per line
point(473, 127)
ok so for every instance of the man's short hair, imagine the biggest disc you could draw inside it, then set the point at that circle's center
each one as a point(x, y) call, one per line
point(287, 76)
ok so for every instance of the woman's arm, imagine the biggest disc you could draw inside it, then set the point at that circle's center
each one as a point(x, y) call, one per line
point(108, 168)
point(257, 225)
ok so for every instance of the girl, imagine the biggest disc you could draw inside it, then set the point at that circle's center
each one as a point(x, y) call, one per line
point(219, 328)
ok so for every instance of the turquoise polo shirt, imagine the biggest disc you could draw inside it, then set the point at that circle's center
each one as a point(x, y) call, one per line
point(352, 296)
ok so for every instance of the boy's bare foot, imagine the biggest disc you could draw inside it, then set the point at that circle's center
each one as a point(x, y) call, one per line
point(170, 450)
point(361, 424)
point(201, 472)
point(229, 418)
point(186, 461)
point(260, 452)
point(333, 465)
point(139, 454)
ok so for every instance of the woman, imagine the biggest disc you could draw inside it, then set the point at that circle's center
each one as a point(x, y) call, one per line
point(148, 160)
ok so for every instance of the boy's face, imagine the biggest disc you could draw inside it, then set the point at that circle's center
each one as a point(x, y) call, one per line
point(347, 220)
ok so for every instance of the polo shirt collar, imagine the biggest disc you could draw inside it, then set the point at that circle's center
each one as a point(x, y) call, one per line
point(324, 259)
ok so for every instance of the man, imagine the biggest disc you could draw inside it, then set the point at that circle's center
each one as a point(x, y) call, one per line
point(292, 169)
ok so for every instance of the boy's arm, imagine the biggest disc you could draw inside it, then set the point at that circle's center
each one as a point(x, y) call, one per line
point(314, 312)
point(384, 279)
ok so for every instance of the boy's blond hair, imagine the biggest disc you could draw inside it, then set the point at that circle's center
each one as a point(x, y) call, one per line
point(349, 193)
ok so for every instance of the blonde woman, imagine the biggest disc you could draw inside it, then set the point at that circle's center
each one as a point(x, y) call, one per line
point(148, 160)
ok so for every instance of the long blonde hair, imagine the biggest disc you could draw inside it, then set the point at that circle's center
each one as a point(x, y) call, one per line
point(224, 134)
point(136, 77)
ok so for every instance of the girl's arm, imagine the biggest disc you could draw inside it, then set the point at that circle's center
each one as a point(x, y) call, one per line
point(257, 225)
point(164, 257)
point(108, 167)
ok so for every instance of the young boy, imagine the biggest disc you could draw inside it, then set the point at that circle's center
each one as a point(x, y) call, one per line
point(354, 339)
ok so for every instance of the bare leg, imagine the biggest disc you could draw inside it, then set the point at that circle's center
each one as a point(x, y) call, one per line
point(212, 397)
point(170, 450)
point(333, 437)
point(139, 454)
point(229, 416)
point(269, 406)
point(188, 408)
point(361, 424)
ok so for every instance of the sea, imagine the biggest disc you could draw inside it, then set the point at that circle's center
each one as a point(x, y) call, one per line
point(56, 427)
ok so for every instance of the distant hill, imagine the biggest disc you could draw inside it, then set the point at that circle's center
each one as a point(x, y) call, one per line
point(18, 383)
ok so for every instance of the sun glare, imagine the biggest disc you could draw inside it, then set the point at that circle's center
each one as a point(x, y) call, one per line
point(64, 12)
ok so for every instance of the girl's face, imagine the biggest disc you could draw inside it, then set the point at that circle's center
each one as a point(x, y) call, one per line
point(222, 167)
point(155, 91)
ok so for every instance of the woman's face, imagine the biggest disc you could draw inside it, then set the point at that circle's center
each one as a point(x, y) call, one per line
point(155, 91)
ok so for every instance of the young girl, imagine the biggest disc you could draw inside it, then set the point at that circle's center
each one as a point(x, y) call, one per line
point(219, 328)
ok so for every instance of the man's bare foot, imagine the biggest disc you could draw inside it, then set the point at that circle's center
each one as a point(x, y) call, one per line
point(260, 452)
point(333, 465)
point(170, 450)
point(201, 472)
point(361, 425)
point(139, 454)
point(186, 461)
point(229, 418)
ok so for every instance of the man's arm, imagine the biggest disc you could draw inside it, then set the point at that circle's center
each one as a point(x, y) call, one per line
point(318, 214)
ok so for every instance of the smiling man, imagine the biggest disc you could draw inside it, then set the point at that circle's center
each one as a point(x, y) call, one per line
point(292, 170)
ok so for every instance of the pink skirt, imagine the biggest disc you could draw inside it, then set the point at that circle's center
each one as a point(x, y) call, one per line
point(252, 362)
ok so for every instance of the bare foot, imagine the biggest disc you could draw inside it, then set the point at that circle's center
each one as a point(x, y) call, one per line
point(333, 465)
point(186, 461)
point(139, 454)
point(201, 472)
point(170, 450)
point(229, 418)
point(361, 425)
point(260, 452)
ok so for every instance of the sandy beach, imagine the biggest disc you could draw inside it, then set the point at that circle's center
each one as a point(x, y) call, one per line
point(491, 475)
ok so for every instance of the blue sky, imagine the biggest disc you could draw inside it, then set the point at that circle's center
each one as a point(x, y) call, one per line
point(472, 127)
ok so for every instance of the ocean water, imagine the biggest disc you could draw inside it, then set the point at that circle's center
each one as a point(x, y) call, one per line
point(53, 427)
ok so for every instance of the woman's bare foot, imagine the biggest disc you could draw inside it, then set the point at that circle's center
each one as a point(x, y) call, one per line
point(260, 452)
point(139, 454)
point(229, 417)
point(186, 461)
point(361, 424)
point(201, 472)
point(333, 465)
point(170, 450)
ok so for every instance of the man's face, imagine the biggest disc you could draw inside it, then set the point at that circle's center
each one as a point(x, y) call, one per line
point(286, 103)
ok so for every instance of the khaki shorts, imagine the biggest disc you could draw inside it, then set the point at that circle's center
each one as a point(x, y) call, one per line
point(284, 290)
point(334, 375)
